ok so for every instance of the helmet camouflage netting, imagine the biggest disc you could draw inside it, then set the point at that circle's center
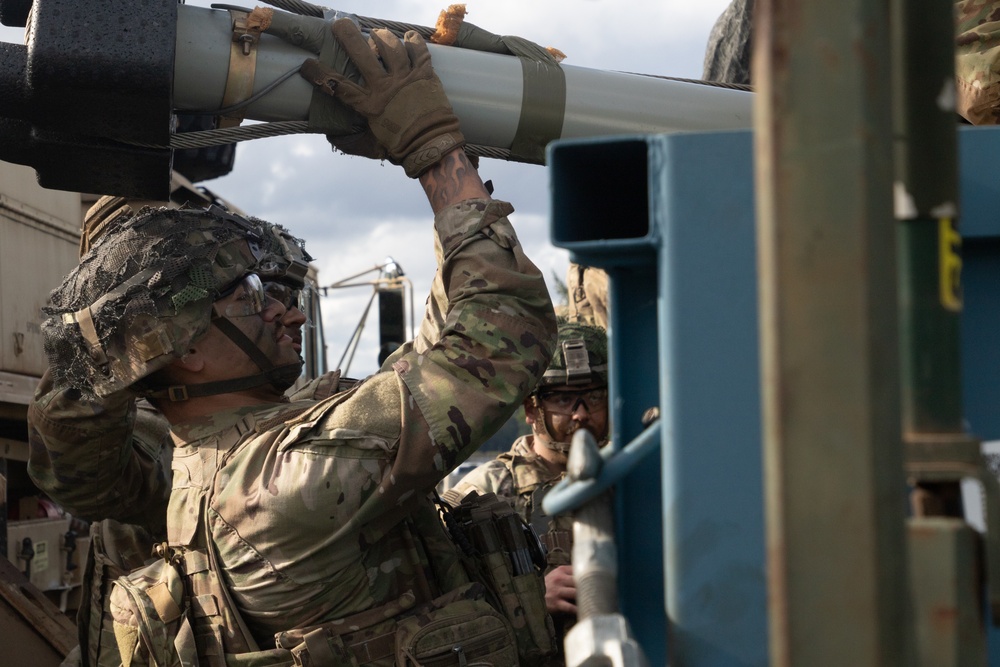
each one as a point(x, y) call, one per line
point(581, 356)
point(144, 291)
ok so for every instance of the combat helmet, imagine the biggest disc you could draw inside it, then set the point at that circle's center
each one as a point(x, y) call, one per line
point(284, 258)
point(581, 356)
point(145, 290)
point(580, 359)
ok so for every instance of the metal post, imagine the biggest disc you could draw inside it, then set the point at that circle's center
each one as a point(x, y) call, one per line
point(926, 196)
point(829, 345)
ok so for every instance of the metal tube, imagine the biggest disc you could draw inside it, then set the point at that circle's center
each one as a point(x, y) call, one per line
point(485, 89)
point(927, 207)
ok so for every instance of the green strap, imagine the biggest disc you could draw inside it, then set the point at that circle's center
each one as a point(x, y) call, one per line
point(543, 108)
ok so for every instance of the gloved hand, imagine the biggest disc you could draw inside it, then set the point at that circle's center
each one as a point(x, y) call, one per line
point(408, 112)
point(345, 128)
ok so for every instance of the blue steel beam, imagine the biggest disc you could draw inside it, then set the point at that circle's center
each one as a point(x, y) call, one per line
point(674, 223)
point(693, 254)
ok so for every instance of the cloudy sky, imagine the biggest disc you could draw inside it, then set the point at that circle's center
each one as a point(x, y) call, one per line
point(355, 212)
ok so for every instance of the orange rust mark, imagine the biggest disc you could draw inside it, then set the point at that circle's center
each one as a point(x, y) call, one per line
point(944, 618)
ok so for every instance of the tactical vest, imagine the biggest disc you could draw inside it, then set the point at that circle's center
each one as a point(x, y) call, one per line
point(532, 481)
point(176, 610)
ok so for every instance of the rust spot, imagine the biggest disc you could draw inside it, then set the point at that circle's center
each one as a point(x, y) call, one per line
point(944, 619)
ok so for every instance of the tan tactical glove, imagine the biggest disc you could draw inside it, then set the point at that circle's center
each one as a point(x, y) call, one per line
point(345, 128)
point(401, 96)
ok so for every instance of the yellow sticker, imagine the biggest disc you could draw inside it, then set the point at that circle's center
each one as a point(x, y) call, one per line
point(950, 263)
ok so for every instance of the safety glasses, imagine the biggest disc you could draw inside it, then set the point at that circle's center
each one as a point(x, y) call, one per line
point(287, 296)
point(568, 402)
point(250, 297)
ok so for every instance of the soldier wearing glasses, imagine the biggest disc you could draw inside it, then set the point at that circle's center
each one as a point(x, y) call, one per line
point(572, 395)
point(305, 529)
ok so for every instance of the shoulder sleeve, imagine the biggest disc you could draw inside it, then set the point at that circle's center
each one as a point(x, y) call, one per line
point(486, 338)
point(100, 458)
point(491, 477)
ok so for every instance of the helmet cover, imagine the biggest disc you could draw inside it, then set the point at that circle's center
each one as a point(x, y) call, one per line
point(144, 291)
point(581, 356)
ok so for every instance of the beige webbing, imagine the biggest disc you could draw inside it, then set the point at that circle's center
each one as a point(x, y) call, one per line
point(318, 647)
point(85, 319)
point(163, 602)
point(242, 68)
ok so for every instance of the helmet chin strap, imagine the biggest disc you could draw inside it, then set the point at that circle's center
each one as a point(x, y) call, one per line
point(550, 439)
point(279, 377)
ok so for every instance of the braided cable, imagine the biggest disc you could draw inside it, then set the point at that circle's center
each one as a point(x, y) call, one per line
point(368, 23)
point(699, 82)
point(396, 27)
point(297, 7)
point(228, 135)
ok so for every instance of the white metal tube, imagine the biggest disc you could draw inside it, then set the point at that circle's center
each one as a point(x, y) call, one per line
point(485, 89)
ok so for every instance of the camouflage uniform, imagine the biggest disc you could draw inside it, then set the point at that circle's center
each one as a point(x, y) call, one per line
point(318, 510)
point(521, 478)
point(129, 482)
point(588, 295)
point(518, 476)
point(977, 60)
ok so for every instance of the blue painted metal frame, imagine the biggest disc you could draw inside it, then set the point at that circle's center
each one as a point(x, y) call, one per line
point(672, 220)
point(980, 226)
point(601, 213)
point(979, 223)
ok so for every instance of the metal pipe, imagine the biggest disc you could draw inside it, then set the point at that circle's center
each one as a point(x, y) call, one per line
point(487, 90)
point(926, 205)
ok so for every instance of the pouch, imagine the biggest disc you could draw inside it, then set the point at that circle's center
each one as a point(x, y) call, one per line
point(461, 632)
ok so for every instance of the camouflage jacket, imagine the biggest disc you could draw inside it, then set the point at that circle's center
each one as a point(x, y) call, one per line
point(306, 500)
point(100, 458)
point(977, 34)
point(520, 477)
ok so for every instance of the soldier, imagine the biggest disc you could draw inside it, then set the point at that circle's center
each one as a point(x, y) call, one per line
point(124, 529)
point(573, 394)
point(314, 515)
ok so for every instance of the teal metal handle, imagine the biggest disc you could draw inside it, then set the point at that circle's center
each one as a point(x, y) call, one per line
point(569, 495)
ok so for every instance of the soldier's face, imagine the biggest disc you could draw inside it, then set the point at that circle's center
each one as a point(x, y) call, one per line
point(274, 330)
point(293, 318)
point(567, 409)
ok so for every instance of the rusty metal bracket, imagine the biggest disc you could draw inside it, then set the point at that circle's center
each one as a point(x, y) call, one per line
point(242, 68)
point(950, 457)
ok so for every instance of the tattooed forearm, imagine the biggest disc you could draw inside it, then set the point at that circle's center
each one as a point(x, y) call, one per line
point(452, 180)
